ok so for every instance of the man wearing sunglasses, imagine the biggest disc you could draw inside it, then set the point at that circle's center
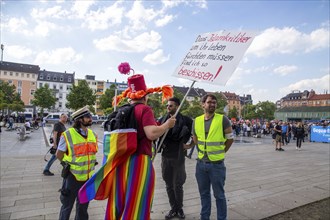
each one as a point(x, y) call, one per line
point(76, 150)
point(173, 158)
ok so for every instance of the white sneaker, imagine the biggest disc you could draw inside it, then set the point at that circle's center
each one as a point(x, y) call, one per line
point(296, 148)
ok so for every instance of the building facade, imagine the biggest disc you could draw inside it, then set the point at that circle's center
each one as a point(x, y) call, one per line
point(23, 77)
point(61, 84)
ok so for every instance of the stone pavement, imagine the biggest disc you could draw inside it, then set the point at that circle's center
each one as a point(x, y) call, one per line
point(261, 182)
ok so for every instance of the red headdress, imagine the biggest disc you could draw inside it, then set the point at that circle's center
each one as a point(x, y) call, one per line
point(137, 88)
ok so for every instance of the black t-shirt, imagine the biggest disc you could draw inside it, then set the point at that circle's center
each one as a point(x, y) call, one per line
point(279, 129)
point(60, 128)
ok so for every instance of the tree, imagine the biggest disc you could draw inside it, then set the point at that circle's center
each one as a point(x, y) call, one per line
point(44, 98)
point(10, 99)
point(80, 96)
point(249, 111)
point(233, 113)
point(265, 110)
point(107, 97)
point(221, 103)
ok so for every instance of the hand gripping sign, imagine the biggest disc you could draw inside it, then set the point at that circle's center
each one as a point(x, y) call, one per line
point(214, 57)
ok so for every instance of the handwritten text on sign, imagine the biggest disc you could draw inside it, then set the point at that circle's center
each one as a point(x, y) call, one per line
point(214, 57)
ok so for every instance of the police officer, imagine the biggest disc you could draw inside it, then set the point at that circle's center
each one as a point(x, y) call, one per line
point(76, 151)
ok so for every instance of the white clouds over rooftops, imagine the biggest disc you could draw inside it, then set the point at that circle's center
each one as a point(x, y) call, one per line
point(317, 84)
point(58, 56)
point(141, 43)
point(287, 41)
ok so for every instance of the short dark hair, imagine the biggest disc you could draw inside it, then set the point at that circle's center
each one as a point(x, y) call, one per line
point(176, 100)
point(203, 100)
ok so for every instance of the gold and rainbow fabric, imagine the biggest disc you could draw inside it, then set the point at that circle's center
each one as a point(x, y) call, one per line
point(126, 179)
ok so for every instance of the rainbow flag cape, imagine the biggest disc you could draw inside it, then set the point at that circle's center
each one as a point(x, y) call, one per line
point(118, 145)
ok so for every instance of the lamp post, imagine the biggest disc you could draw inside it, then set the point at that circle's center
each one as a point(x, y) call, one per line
point(2, 48)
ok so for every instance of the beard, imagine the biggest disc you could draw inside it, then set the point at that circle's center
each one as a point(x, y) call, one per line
point(86, 124)
point(211, 110)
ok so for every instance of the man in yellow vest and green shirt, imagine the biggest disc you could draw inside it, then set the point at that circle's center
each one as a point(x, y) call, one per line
point(212, 133)
point(77, 148)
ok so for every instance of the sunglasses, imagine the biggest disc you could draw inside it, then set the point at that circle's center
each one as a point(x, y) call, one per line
point(169, 106)
point(87, 116)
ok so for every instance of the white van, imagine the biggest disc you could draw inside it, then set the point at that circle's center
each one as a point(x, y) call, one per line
point(28, 116)
point(53, 117)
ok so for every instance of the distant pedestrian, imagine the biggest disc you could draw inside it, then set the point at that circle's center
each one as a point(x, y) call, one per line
point(300, 132)
point(278, 137)
point(59, 128)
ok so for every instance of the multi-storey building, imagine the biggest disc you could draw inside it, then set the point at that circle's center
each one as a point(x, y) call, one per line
point(60, 83)
point(23, 77)
point(306, 105)
point(233, 101)
point(193, 93)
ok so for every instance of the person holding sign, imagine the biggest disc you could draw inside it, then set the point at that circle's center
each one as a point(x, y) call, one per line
point(213, 134)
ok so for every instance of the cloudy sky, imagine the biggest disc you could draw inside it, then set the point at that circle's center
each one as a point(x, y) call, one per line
point(290, 50)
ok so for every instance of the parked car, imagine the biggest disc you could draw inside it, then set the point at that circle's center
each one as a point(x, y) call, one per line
point(53, 117)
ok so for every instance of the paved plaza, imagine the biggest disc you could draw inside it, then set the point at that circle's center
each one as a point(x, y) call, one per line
point(261, 182)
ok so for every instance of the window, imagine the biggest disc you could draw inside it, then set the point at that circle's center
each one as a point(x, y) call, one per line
point(33, 83)
point(10, 73)
point(55, 78)
point(60, 96)
point(54, 86)
point(17, 74)
point(61, 79)
point(60, 104)
point(32, 91)
point(19, 84)
point(10, 81)
point(48, 77)
point(19, 91)
point(22, 74)
point(28, 75)
point(69, 79)
point(61, 87)
point(68, 87)
point(40, 84)
point(5, 73)
point(41, 76)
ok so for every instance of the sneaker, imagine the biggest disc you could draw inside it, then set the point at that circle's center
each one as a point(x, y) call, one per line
point(170, 214)
point(281, 149)
point(48, 173)
point(296, 148)
point(181, 214)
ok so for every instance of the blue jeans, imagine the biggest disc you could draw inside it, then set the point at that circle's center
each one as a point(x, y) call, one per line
point(214, 174)
point(50, 162)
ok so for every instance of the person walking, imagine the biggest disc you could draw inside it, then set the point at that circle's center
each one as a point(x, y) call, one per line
point(76, 150)
point(59, 128)
point(300, 132)
point(213, 135)
point(173, 158)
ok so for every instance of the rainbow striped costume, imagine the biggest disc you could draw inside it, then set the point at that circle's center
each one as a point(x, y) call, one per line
point(126, 179)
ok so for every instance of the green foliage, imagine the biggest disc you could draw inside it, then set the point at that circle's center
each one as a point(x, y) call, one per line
point(221, 103)
point(155, 102)
point(44, 98)
point(233, 113)
point(265, 110)
point(80, 96)
point(9, 98)
point(107, 97)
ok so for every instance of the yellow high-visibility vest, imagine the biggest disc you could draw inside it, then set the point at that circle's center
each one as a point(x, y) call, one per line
point(214, 144)
point(81, 153)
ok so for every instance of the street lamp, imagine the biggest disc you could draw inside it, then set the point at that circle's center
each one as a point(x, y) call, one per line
point(2, 48)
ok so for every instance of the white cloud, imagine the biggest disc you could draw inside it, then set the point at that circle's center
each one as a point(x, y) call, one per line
point(164, 21)
point(81, 7)
point(317, 84)
point(139, 15)
point(58, 56)
point(18, 52)
point(43, 28)
point(157, 57)
point(288, 41)
point(53, 12)
point(285, 70)
point(104, 18)
point(180, 28)
point(143, 42)
point(16, 25)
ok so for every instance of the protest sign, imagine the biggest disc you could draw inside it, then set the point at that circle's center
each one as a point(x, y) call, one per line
point(214, 57)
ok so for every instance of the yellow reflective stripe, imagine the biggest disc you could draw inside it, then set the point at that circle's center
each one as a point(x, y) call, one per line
point(83, 163)
point(69, 139)
point(210, 143)
point(81, 172)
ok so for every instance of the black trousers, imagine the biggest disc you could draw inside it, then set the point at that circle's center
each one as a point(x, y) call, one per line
point(174, 175)
point(69, 193)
